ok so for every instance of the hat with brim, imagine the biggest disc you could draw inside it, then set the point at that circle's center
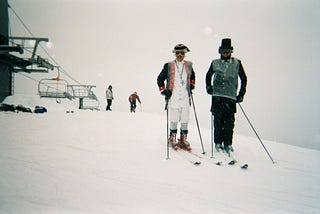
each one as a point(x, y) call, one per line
point(225, 45)
point(180, 47)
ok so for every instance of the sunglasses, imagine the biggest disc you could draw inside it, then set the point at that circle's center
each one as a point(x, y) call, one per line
point(226, 51)
point(180, 53)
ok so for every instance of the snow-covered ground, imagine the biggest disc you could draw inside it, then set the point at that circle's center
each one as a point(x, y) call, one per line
point(115, 162)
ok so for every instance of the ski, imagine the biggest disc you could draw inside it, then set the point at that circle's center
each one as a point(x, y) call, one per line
point(186, 155)
point(233, 161)
point(221, 158)
point(197, 162)
point(219, 163)
point(244, 166)
point(192, 153)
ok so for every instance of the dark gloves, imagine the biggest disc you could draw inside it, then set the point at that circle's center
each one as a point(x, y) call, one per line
point(209, 89)
point(167, 93)
point(239, 98)
point(191, 88)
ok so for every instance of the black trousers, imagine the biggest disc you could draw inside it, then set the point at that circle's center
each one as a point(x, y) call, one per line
point(109, 103)
point(223, 110)
point(133, 106)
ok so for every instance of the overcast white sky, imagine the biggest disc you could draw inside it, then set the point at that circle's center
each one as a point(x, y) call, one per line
point(126, 43)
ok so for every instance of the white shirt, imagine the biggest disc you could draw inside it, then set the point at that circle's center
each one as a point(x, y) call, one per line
point(180, 97)
point(109, 94)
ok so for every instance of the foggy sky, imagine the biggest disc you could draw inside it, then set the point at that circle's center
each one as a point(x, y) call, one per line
point(126, 43)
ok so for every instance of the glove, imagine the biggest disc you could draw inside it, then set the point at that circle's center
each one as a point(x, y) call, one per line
point(191, 88)
point(209, 90)
point(167, 93)
point(239, 98)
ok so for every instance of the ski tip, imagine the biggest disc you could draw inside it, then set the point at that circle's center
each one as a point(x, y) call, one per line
point(244, 166)
point(197, 163)
point(233, 162)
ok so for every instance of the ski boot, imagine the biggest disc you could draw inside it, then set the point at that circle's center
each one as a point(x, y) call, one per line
point(228, 149)
point(218, 147)
point(172, 139)
point(183, 143)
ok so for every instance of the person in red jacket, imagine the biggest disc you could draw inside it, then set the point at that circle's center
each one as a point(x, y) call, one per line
point(133, 101)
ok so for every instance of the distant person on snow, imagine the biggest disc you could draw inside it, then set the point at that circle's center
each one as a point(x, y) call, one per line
point(223, 90)
point(109, 97)
point(133, 101)
point(180, 81)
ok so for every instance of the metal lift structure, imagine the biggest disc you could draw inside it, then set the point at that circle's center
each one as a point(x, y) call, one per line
point(19, 54)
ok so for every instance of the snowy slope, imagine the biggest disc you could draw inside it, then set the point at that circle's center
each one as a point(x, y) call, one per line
point(115, 162)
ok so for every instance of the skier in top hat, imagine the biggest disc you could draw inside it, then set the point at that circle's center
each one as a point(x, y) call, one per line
point(180, 81)
point(225, 95)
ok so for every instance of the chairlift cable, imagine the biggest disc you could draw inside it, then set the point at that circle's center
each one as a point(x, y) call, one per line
point(26, 27)
point(20, 20)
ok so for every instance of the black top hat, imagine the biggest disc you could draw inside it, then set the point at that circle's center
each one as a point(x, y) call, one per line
point(180, 47)
point(225, 44)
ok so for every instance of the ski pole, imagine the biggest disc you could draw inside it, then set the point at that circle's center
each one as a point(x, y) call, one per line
point(211, 136)
point(166, 109)
point(195, 115)
point(256, 133)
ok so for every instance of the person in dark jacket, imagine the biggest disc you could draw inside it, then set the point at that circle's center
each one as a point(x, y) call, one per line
point(180, 81)
point(224, 91)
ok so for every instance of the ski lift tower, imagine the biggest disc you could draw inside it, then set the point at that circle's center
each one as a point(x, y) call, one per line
point(11, 50)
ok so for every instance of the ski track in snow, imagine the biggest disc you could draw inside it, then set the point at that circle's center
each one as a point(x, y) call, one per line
point(115, 162)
